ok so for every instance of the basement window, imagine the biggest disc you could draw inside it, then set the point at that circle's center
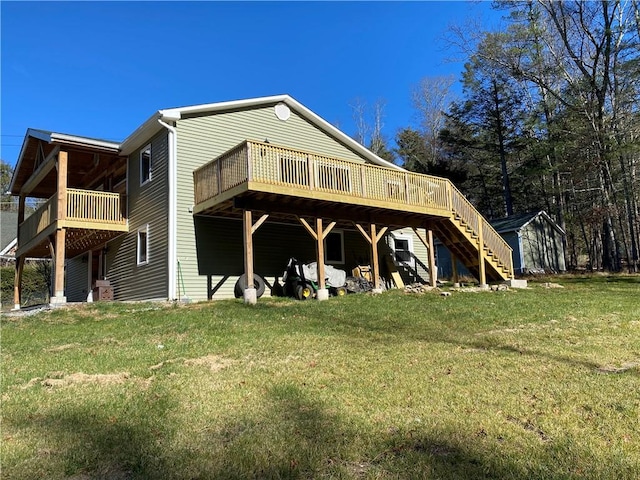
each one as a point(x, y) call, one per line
point(143, 245)
point(402, 250)
point(146, 164)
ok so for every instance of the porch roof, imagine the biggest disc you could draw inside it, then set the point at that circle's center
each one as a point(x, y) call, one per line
point(37, 147)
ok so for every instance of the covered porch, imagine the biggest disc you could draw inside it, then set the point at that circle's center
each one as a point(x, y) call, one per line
point(258, 181)
point(83, 184)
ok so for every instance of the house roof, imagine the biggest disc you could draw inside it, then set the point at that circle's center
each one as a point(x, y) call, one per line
point(46, 140)
point(515, 223)
point(152, 125)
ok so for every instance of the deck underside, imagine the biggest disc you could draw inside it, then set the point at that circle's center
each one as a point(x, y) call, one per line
point(288, 207)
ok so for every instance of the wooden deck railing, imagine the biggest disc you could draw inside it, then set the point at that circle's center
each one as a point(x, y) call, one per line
point(97, 209)
point(269, 164)
point(89, 206)
point(38, 221)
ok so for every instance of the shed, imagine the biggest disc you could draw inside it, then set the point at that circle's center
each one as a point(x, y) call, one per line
point(536, 239)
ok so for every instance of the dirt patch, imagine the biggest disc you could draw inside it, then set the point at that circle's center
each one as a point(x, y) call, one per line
point(214, 363)
point(56, 379)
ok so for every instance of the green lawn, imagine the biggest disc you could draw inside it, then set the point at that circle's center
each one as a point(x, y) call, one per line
point(536, 383)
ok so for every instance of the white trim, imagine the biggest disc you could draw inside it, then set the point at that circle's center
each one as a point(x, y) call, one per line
point(173, 211)
point(92, 142)
point(409, 239)
point(326, 250)
point(142, 151)
point(144, 229)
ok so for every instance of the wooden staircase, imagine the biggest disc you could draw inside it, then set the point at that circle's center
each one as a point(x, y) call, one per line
point(473, 241)
point(468, 245)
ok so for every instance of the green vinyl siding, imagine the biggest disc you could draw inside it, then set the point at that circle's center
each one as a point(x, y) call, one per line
point(219, 254)
point(201, 139)
point(77, 278)
point(147, 204)
point(417, 269)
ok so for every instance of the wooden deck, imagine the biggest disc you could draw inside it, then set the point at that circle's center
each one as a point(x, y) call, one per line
point(90, 218)
point(274, 178)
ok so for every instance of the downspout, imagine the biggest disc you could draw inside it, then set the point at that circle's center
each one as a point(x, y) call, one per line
point(173, 205)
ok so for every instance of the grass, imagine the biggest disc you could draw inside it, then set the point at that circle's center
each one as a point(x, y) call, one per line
point(537, 383)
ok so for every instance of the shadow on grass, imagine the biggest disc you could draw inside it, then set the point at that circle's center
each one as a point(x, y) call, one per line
point(293, 437)
point(114, 441)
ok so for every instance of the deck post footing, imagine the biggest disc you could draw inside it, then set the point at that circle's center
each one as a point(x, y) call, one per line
point(250, 296)
point(322, 294)
point(57, 301)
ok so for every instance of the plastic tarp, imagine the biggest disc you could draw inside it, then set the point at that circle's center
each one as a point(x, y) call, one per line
point(334, 277)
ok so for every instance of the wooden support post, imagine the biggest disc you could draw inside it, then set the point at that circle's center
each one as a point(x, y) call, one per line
point(58, 277)
point(373, 237)
point(21, 204)
point(319, 234)
point(248, 246)
point(248, 229)
point(433, 271)
point(17, 284)
point(62, 186)
point(374, 258)
point(60, 234)
point(320, 253)
point(481, 267)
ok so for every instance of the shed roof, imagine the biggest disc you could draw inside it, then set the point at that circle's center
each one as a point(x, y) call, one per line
point(515, 223)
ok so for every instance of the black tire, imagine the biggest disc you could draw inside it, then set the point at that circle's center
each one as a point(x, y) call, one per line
point(241, 285)
point(303, 292)
point(341, 291)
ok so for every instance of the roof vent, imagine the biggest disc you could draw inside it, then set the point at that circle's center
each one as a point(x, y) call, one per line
point(282, 111)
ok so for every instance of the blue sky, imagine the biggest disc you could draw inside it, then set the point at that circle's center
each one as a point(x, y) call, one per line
point(100, 69)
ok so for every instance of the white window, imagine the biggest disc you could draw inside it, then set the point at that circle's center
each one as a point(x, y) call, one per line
point(143, 245)
point(334, 247)
point(146, 164)
point(402, 249)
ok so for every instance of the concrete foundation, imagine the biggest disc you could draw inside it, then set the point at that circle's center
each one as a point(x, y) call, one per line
point(516, 283)
point(57, 301)
point(322, 294)
point(250, 296)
